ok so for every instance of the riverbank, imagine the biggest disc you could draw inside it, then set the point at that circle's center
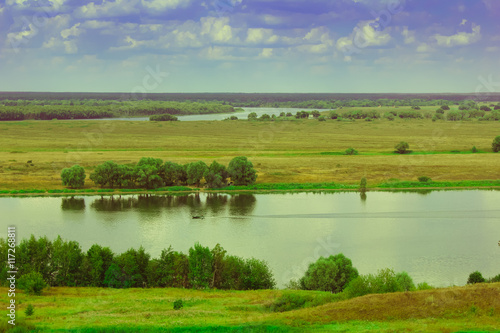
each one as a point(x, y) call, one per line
point(270, 188)
point(59, 309)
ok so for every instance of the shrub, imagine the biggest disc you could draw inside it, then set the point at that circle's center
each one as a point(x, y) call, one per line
point(315, 113)
point(73, 177)
point(445, 107)
point(178, 304)
point(475, 277)
point(289, 114)
point(351, 151)
point(29, 310)
point(257, 275)
point(496, 144)
point(163, 117)
point(424, 179)
point(265, 116)
point(331, 274)
point(252, 116)
point(402, 148)
point(474, 149)
point(241, 171)
point(389, 116)
point(233, 118)
point(333, 115)
point(405, 282)
point(362, 184)
point(424, 286)
point(440, 110)
point(288, 302)
point(200, 266)
point(386, 281)
point(484, 108)
point(495, 279)
point(32, 283)
point(321, 118)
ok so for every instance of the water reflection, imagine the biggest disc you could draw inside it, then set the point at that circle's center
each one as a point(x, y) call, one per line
point(73, 204)
point(214, 203)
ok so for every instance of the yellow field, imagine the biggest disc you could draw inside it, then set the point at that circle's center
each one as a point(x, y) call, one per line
point(285, 151)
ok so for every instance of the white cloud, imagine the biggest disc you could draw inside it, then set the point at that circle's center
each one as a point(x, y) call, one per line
point(423, 48)
point(161, 5)
point(464, 21)
point(70, 46)
point(217, 28)
point(364, 35)
point(73, 31)
point(95, 24)
point(108, 9)
point(261, 35)
point(266, 53)
point(460, 39)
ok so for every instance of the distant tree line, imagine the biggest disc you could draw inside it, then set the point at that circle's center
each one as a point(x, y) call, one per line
point(152, 173)
point(43, 262)
point(48, 110)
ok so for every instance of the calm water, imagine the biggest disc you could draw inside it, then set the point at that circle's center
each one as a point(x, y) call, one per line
point(438, 237)
point(222, 116)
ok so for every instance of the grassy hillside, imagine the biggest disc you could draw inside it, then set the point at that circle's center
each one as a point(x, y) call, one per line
point(282, 152)
point(470, 308)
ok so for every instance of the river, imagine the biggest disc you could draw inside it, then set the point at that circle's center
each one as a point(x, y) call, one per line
point(439, 237)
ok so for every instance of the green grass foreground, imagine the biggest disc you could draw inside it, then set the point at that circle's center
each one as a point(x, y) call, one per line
point(92, 310)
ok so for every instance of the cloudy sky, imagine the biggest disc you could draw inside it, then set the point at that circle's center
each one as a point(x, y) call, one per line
point(250, 45)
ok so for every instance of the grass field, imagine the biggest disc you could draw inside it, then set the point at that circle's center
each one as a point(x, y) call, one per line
point(306, 151)
point(470, 308)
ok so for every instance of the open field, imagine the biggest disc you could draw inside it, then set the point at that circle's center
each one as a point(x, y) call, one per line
point(282, 152)
point(475, 307)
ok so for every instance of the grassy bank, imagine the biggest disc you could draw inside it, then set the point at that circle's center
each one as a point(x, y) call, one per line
point(469, 308)
point(299, 151)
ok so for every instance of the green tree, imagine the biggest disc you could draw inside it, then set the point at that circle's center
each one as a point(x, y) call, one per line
point(99, 260)
point(200, 266)
point(257, 275)
point(107, 174)
point(402, 148)
point(252, 116)
point(241, 171)
point(216, 175)
point(34, 255)
point(73, 177)
point(170, 173)
point(315, 113)
point(195, 172)
point(163, 117)
point(475, 277)
point(218, 263)
point(362, 184)
point(148, 172)
point(496, 144)
point(331, 274)
point(67, 258)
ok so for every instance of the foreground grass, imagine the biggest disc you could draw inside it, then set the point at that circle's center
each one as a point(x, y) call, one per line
point(109, 310)
point(302, 151)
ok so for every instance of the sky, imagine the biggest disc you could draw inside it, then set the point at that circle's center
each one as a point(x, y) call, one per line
point(297, 46)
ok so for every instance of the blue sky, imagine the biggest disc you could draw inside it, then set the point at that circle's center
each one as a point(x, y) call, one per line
point(344, 46)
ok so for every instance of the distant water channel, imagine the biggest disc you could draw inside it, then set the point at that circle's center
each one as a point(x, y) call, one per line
point(439, 237)
point(222, 116)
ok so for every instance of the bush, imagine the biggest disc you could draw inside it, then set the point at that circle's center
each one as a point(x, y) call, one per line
point(29, 310)
point(475, 277)
point(241, 171)
point(195, 172)
point(496, 144)
point(445, 107)
point(252, 116)
point(362, 184)
point(331, 274)
point(200, 266)
point(402, 148)
point(424, 179)
point(73, 177)
point(424, 286)
point(257, 275)
point(107, 174)
point(386, 281)
point(333, 115)
point(321, 118)
point(288, 302)
point(178, 304)
point(315, 113)
point(495, 279)
point(351, 151)
point(389, 116)
point(163, 117)
point(440, 111)
point(405, 282)
point(474, 149)
point(216, 175)
point(32, 283)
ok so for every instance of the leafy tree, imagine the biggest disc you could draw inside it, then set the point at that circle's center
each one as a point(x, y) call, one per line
point(424, 179)
point(405, 282)
point(182, 173)
point(107, 174)
point(265, 116)
point(333, 115)
point(241, 171)
point(73, 177)
point(445, 107)
point(170, 270)
point(232, 273)
point(216, 175)
point(475, 277)
point(148, 172)
point(99, 260)
point(163, 117)
point(34, 255)
point(195, 172)
point(129, 270)
point(67, 258)
point(331, 274)
point(496, 144)
point(170, 173)
point(315, 113)
point(32, 283)
point(200, 266)
point(218, 265)
point(362, 184)
point(351, 151)
point(257, 275)
point(484, 108)
point(321, 118)
point(252, 116)
point(386, 281)
point(440, 110)
point(402, 148)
